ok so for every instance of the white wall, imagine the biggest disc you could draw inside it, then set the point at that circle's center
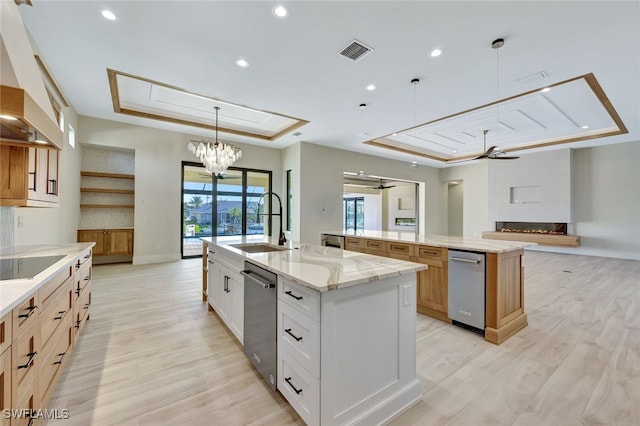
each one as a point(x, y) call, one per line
point(158, 157)
point(291, 161)
point(55, 225)
point(475, 200)
point(455, 209)
point(321, 197)
point(605, 200)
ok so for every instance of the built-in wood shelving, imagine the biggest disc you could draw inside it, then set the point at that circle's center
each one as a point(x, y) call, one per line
point(107, 175)
point(108, 190)
point(107, 206)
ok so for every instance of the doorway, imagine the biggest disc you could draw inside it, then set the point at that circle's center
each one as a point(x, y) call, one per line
point(455, 207)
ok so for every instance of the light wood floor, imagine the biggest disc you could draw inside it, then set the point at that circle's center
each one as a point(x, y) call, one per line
point(152, 355)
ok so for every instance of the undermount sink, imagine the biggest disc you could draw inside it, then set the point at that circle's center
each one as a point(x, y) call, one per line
point(257, 247)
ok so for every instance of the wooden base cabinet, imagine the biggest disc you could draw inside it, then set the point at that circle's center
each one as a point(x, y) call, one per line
point(109, 242)
point(432, 286)
point(5, 384)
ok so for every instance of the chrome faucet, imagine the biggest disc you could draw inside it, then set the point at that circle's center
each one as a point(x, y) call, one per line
point(281, 237)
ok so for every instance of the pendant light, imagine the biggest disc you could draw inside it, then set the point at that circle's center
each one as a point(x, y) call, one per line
point(216, 157)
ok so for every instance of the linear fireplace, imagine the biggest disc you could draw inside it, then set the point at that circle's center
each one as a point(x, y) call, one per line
point(551, 228)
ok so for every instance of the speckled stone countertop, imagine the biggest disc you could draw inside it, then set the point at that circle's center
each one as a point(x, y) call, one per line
point(456, 243)
point(13, 292)
point(317, 267)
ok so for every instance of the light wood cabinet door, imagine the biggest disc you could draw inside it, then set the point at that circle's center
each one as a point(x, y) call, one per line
point(432, 284)
point(5, 385)
point(93, 235)
point(119, 242)
point(13, 179)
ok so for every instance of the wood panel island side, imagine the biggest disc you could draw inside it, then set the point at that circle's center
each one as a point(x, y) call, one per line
point(504, 274)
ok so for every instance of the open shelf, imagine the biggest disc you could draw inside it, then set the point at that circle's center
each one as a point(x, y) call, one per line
point(107, 206)
point(541, 239)
point(107, 175)
point(108, 190)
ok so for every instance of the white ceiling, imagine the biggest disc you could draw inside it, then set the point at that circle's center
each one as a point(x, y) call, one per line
point(295, 69)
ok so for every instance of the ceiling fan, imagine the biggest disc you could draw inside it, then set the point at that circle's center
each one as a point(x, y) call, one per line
point(382, 186)
point(494, 152)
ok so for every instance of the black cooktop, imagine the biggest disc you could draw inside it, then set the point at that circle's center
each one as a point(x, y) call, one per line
point(25, 267)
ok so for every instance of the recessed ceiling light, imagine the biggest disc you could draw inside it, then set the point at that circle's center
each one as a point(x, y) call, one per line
point(435, 53)
point(585, 127)
point(454, 151)
point(371, 87)
point(546, 89)
point(107, 14)
point(8, 117)
point(394, 134)
point(242, 63)
point(280, 12)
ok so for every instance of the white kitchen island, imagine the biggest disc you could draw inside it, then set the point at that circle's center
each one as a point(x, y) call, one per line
point(346, 328)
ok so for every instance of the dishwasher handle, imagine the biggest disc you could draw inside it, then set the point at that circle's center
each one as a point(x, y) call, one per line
point(257, 278)
point(462, 259)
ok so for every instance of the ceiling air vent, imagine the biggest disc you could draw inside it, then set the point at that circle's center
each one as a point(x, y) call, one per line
point(355, 51)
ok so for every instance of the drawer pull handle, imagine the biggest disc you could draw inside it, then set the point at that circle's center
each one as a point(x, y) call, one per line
point(32, 356)
point(77, 324)
point(87, 256)
point(86, 306)
point(297, 391)
point(87, 278)
point(288, 331)
point(61, 355)
point(78, 290)
point(429, 253)
point(288, 293)
point(31, 310)
point(60, 315)
point(78, 265)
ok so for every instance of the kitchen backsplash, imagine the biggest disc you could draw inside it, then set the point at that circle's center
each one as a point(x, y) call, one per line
point(6, 227)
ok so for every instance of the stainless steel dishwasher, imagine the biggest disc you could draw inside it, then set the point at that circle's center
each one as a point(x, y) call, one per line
point(260, 320)
point(466, 304)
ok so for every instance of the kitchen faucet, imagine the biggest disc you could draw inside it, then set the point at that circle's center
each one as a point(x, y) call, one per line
point(281, 237)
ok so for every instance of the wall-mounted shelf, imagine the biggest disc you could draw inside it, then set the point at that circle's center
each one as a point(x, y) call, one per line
point(107, 175)
point(107, 206)
point(108, 190)
point(541, 239)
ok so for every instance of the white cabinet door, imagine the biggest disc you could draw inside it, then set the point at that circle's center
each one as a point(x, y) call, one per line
point(213, 285)
point(224, 305)
point(236, 289)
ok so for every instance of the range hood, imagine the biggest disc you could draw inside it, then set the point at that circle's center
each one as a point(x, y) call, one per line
point(23, 96)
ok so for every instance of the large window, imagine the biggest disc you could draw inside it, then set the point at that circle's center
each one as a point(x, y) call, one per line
point(353, 213)
point(229, 204)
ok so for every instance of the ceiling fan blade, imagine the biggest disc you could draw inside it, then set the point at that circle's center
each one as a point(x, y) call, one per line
point(387, 187)
point(504, 157)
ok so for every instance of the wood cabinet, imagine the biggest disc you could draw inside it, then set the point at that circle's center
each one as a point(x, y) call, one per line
point(36, 338)
point(432, 285)
point(28, 176)
point(109, 242)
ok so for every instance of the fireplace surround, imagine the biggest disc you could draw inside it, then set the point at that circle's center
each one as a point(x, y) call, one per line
point(551, 228)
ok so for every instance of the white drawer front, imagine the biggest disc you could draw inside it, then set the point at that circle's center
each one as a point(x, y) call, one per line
point(301, 298)
point(299, 336)
point(300, 388)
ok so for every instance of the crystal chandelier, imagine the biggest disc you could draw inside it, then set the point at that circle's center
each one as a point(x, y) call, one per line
point(217, 156)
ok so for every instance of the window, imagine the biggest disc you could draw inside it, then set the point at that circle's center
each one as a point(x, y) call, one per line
point(353, 213)
point(72, 136)
point(229, 204)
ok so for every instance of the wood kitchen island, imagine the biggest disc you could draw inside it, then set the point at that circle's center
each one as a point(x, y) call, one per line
point(504, 279)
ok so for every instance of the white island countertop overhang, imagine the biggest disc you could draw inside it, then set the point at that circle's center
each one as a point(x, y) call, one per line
point(317, 267)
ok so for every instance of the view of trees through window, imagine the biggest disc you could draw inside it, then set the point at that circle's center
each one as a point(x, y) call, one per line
point(229, 204)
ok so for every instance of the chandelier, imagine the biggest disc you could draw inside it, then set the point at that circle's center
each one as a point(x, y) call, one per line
point(216, 157)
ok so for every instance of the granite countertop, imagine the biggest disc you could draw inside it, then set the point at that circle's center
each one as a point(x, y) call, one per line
point(317, 267)
point(13, 292)
point(456, 243)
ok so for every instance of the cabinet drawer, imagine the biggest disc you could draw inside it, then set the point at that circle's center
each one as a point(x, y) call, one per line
point(25, 353)
point(82, 277)
point(81, 308)
point(403, 249)
point(6, 332)
point(301, 298)
point(433, 253)
point(353, 242)
point(299, 336)
point(50, 287)
point(5, 384)
point(83, 258)
point(376, 245)
point(25, 314)
point(57, 312)
point(300, 388)
point(55, 353)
